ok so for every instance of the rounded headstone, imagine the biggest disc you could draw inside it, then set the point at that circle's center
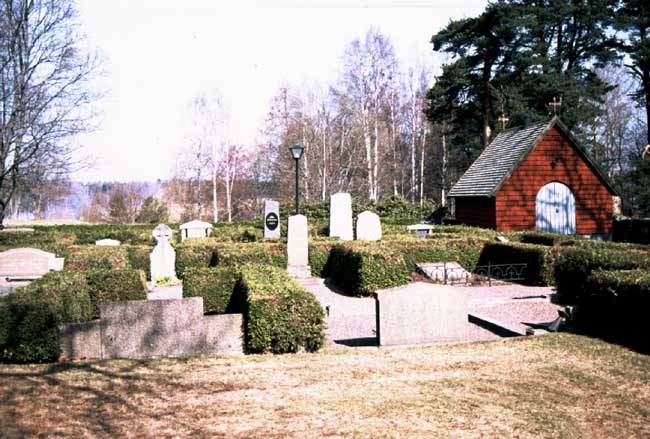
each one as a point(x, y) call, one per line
point(368, 226)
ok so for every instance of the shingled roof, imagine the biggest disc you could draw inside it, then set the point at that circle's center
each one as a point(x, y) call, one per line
point(506, 152)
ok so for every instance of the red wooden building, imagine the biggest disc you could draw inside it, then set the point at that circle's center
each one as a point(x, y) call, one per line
point(535, 178)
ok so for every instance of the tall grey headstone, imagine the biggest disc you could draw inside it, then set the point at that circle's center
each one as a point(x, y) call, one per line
point(341, 216)
point(271, 219)
point(297, 246)
point(368, 226)
point(163, 256)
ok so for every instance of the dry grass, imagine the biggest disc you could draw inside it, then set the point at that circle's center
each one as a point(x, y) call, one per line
point(552, 386)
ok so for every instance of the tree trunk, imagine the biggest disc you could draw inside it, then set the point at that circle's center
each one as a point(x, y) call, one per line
point(445, 157)
point(215, 211)
point(422, 153)
point(368, 145)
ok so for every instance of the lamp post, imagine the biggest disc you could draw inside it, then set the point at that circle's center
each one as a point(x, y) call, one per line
point(296, 153)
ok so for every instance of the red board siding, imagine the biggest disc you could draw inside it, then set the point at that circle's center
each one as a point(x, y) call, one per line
point(515, 202)
point(476, 211)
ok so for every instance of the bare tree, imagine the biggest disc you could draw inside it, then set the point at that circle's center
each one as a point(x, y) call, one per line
point(210, 127)
point(43, 89)
point(369, 66)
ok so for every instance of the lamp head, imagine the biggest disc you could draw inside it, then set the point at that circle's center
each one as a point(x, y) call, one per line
point(296, 151)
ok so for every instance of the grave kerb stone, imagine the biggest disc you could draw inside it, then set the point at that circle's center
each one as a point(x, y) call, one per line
point(27, 263)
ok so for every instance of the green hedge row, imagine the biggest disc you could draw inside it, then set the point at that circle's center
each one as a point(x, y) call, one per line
point(615, 305)
point(279, 316)
point(215, 286)
point(30, 316)
point(360, 269)
point(539, 260)
point(574, 265)
point(115, 286)
point(209, 252)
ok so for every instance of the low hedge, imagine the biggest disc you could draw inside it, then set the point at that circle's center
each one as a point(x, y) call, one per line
point(279, 316)
point(615, 305)
point(542, 238)
point(196, 253)
point(138, 256)
point(96, 257)
point(215, 286)
point(115, 286)
point(361, 268)
point(66, 292)
point(29, 330)
point(252, 253)
point(574, 265)
point(137, 234)
point(539, 260)
point(361, 272)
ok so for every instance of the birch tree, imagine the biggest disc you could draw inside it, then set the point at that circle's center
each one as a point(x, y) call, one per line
point(44, 93)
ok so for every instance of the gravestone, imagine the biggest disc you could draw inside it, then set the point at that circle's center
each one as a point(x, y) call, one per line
point(27, 263)
point(421, 313)
point(341, 216)
point(108, 242)
point(163, 256)
point(421, 230)
point(195, 229)
point(297, 247)
point(271, 219)
point(368, 226)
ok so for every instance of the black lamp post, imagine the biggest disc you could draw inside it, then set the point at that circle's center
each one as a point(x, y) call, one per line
point(296, 153)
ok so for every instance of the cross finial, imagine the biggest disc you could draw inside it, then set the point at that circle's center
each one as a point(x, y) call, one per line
point(555, 104)
point(504, 120)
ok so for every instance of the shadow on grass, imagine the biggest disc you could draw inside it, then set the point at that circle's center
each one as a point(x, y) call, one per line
point(91, 399)
point(358, 342)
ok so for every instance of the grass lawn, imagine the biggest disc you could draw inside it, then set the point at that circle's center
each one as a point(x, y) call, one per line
point(560, 385)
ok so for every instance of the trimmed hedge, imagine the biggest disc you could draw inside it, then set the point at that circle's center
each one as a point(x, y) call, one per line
point(195, 253)
point(615, 306)
point(138, 256)
point(254, 253)
point(279, 316)
point(66, 293)
point(215, 285)
point(29, 331)
point(115, 286)
point(89, 233)
point(539, 260)
point(359, 268)
point(94, 257)
point(574, 265)
point(542, 238)
point(362, 272)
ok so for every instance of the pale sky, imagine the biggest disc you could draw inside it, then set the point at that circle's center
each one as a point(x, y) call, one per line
point(158, 55)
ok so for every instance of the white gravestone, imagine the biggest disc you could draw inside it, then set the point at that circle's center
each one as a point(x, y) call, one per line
point(163, 256)
point(297, 247)
point(368, 226)
point(341, 216)
point(195, 229)
point(271, 219)
point(108, 242)
point(28, 263)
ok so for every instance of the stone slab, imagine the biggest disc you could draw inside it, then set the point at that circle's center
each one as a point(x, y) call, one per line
point(81, 340)
point(421, 313)
point(341, 216)
point(271, 219)
point(108, 242)
point(224, 334)
point(28, 263)
point(368, 226)
point(162, 261)
point(154, 328)
point(195, 229)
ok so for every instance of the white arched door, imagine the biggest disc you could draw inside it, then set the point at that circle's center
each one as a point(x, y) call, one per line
point(555, 209)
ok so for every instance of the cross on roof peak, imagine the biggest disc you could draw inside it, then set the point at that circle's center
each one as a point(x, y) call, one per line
point(503, 119)
point(555, 104)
